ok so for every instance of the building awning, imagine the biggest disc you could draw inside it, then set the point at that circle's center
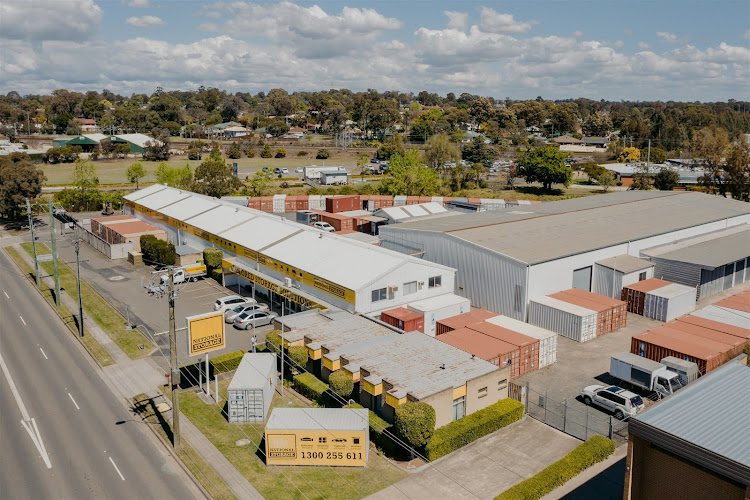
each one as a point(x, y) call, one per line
point(625, 264)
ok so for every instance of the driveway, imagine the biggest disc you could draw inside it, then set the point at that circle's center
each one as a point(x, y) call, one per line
point(488, 466)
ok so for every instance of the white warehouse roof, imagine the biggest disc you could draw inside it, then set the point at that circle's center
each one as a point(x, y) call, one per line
point(406, 212)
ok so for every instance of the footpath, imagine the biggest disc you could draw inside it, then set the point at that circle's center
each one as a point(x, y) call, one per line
point(129, 378)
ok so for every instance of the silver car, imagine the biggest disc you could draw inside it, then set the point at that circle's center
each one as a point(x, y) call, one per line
point(231, 314)
point(616, 400)
point(249, 319)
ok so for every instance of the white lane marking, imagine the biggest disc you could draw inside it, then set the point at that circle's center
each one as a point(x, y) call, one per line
point(6, 294)
point(22, 319)
point(118, 470)
point(34, 434)
point(74, 401)
point(43, 354)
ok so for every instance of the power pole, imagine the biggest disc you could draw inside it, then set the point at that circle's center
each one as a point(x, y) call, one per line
point(33, 241)
point(78, 282)
point(175, 373)
point(54, 253)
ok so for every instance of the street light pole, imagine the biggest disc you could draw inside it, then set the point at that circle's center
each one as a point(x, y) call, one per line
point(78, 282)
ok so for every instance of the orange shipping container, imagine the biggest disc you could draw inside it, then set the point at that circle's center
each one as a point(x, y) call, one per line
point(734, 344)
point(496, 351)
point(635, 294)
point(657, 344)
point(528, 346)
point(463, 320)
point(403, 319)
point(739, 302)
point(339, 222)
point(343, 204)
point(742, 333)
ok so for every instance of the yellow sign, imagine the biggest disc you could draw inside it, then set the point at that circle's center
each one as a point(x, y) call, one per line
point(316, 447)
point(205, 333)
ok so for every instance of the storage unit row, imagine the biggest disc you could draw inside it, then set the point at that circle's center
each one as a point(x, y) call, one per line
point(611, 314)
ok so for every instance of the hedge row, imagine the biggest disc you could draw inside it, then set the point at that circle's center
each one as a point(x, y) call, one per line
point(458, 434)
point(227, 362)
point(596, 449)
point(310, 387)
point(378, 427)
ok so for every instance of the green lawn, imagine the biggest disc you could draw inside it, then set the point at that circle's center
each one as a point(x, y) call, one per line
point(98, 309)
point(89, 341)
point(198, 467)
point(279, 482)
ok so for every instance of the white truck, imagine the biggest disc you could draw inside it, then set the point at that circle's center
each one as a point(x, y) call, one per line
point(645, 373)
point(185, 273)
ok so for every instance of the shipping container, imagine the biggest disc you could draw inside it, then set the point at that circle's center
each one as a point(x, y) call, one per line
point(315, 202)
point(496, 351)
point(547, 338)
point(339, 222)
point(343, 203)
point(733, 317)
point(278, 203)
point(412, 200)
point(603, 312)
point(733, 344)
point(528, 346)
point(635, 294)
point(739, 302)
point(569, 320)
point(403, 319)
point(742, 333)
point(436, 308)
point(253, 203)
point(399, 201)
point(266, 204)
point(669, 302)
point(463, 320)
point(251, 390)
point(657, 344)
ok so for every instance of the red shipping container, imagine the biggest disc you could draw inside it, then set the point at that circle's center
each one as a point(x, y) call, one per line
point(343, 203)
point(403, 319)
point(253, 203)
point(496, 351)
point(339, 222)
point(657, 344)
point(635, 294)
point(412, 200)
point(742, 333)
point(528, 346)
point(734, 344)
point(425, 199)
point(463, 320)
point(739, 302)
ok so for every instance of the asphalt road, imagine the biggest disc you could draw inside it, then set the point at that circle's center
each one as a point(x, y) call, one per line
point(75, 412)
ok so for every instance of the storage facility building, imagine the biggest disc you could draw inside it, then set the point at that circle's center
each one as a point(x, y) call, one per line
point(506, 258)
point(124, 229)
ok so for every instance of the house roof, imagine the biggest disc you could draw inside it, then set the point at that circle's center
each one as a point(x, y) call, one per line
point(567, 139)
point(710, 251)
point(539, 233)
point(139, 140)
point(706, 422)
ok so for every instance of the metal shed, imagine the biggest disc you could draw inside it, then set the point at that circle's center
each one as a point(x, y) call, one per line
point(614, 273)
point(251, 390)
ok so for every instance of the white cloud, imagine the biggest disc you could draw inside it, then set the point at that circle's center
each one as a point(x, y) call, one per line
point(144, 21)
point(457, 20)
point(42, 20)
point(494, 22)
point(667, 37)
point(643, 45)
point(578, 33)
point(138, 4)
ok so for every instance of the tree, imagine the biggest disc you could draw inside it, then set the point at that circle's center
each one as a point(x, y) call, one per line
point(19, 179)
point(341, 383)
point(277, 128)
point(298, 356)
point(85, 179)
point(629, 155)
point(322, 154)
point(157, 149)
point(657, 155)
point(174, 177)
point(135, 173)
point(545, 165)
point(122, 150)
point(737, 168)
point(709, 148)
point(666, 179)
point(410, 177)
point(394, 145)
point(641, 177)
point(214, 177)
point(597, 124)
point(606, 180)
point(280, 153)
point(478, 152)
point(439, 150)
point(415, 423)
point(234, 151)
point(266, 153)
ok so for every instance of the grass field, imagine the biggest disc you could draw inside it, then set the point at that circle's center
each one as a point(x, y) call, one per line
point(98, 309)
point(283, 482)
point(89, 341)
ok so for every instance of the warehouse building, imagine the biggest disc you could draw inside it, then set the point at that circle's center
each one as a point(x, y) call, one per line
point(124, 229)
point(307, 267)
point(390, 368)
point(694, 444)
point(505, 258)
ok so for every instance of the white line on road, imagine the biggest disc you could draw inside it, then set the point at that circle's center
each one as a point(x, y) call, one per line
point(14, 390)
point(74, 401)
point(22, 319)
point(43, 354)
point(6, 294)
point(118, 470)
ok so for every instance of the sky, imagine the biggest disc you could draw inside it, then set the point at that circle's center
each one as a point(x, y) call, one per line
point(599, 49)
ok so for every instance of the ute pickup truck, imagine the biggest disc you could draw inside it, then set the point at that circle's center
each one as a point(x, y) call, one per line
point(645, 373)
point(185, 273)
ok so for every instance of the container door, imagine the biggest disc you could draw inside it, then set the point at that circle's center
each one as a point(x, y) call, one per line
point(582, 278)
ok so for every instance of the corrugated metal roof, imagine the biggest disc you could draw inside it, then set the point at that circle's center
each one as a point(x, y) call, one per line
point(711, 413)
point(318, 419)
point(711, 251)
point(625, 264)
point(253, 371)
point(725, 315)
point(558, 229)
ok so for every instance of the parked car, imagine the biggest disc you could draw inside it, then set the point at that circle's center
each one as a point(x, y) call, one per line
point(284, 170)
point(374, 160)
point(231, 314)
point(324, 226)
point(621, 403)
point(277, 170)
point(230, 301)
point(254, 318)
point(299, 170)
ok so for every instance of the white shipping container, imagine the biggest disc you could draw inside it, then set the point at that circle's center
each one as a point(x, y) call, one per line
point(399, 201)
point(523, 202)
point(740, 319)
point(669, 302)
point(547, 338)
point(251, 390)
point(278, 203)
point(440, 307)
point(569, 320)
point(437, 199)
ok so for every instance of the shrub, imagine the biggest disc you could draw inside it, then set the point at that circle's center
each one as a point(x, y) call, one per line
point(310, 387)
point(235, 151)
point(194, 154)
point(217, 275)
point(147, 242)
point(227, 362)
point(298, 355)
point(461, 432)
point(273, 340)
point(280, 153)
point(301, 153)
point(266, 153)
point(323, 154)
point(250, 153)
point(341, 383)
point(212, 257)
point(415, 423)
point(594, 450)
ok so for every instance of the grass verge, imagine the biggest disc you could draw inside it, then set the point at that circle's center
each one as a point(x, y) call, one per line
point(89, 341)
point(98, 309)
point(213, 484)
point(276, 482)
point(594, 450)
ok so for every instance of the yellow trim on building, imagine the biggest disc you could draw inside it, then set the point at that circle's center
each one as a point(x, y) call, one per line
point(373, 389)
point(314, 353)
point(331, 365)
point(354, 375)
point(393, 401)
point(459, 392)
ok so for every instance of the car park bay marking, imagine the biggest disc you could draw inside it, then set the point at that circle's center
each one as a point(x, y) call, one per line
point(24, 323)
point(117, 469)
point(43, 353)
point(74, 401)
point(6, 294)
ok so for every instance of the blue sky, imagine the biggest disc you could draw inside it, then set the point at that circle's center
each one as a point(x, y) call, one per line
point(635, 50)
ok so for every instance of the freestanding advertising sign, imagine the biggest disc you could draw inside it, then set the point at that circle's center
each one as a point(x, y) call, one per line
point(205, 333)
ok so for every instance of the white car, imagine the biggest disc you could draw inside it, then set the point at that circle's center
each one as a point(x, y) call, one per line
point(299, 170)
point(232, 313)
point(616, 400)
point(247, 320)
point(324, 226)
point(230, 301)
point(284, 170)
